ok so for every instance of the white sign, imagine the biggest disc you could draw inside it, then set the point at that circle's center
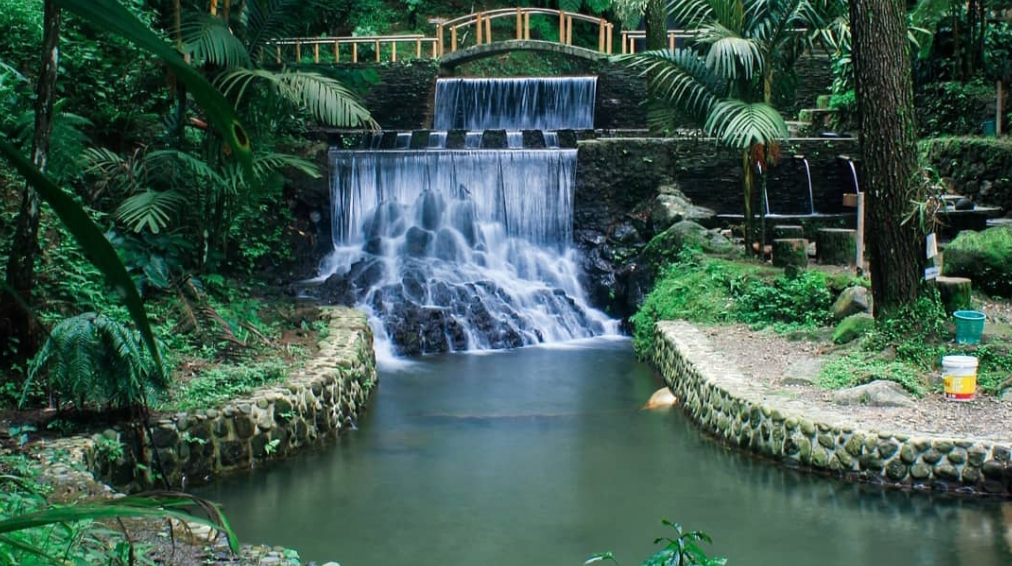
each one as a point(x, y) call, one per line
point(931, 245)
point(932, 273)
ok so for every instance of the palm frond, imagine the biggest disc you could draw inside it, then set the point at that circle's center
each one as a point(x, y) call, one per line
point(266, 164)
point(734, 57)
point(170, 160)
point(266, 20)
point(325, 98)
point(207, 38)
point(741, 124)
point(680, 78)
point(691, 14)
point(149, 210)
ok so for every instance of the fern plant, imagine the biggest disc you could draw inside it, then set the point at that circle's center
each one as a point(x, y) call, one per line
point(95, 360)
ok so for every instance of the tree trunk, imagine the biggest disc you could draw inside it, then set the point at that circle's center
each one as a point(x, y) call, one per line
point(882, 76)
point(15, 319)
point(656, 19)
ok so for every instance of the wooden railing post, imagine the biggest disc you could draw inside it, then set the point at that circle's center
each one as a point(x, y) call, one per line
point(477, 24)
point(418, 48)
point(435, 52)
point(354, 52)
point(298, 51)
point(527, 25)
point(337, 51)
point(439, 37)
point(488, 30)
point(453, 38)
point(520, 24)
point(393, 52)
point(214, 7)
point(562, 26)
point(671, 40)
point(608, 41)
point(277, 53)
point(600, 36)
point(316, 52)
point(569, 30)
point(377, 51)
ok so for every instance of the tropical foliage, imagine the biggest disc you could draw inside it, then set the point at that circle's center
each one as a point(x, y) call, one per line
point(726, 79)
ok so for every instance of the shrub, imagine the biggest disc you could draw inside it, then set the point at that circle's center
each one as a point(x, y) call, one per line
point(93, 359)
point(985, 257)
point(787, 303)
point(218, 384)
point(952, 108)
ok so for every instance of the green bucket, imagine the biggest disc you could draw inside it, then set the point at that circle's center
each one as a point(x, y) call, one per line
point(969, 326)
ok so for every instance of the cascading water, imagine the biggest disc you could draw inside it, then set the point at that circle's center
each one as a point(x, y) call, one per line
point(525, 103)
point(460, 249)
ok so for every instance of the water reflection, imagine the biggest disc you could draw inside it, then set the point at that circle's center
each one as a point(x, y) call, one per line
point(541, 456)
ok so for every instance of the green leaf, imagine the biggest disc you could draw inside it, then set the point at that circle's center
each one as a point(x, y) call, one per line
point(110, 15)
point(325, 98)
point(570, 5)
point(149, 210)
point(87, 234)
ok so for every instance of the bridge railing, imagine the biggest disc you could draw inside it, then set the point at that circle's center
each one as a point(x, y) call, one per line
point(630, 37)
point(458, 30)
point(348, 49)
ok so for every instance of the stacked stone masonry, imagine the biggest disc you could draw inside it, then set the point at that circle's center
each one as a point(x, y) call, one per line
point(717, 397)
point(325, 397)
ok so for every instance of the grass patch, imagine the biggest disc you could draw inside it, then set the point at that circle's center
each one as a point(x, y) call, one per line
point(855, 369)
point(216, 385)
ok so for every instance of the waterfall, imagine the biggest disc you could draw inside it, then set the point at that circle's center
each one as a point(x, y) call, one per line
point(464, 249)
point(526, 103)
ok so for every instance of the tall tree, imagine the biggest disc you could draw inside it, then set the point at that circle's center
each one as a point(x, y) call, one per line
point(885, 102)
point(15, 321)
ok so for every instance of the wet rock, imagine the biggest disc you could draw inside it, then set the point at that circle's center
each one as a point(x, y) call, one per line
point(852, 300)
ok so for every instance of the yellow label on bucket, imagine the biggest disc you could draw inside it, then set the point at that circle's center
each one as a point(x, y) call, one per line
point(960, 387)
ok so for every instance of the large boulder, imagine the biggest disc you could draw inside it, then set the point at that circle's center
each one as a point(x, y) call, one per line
point(853, 327)
point(984, 257)
point(685, 234)
point(671, 206)
point(852, 300)
point(879, 393)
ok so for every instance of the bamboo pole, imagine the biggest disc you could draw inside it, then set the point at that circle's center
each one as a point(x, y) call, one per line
point(520, 24)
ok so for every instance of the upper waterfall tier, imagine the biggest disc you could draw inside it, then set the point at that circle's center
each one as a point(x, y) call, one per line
point(552, 103)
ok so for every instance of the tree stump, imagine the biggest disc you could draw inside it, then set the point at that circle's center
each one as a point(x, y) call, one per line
point(785, 231)
point(835, 246)
point(955, 292)
point(790, 252)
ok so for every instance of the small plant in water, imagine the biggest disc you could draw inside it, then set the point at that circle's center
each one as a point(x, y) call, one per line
point(681, 550)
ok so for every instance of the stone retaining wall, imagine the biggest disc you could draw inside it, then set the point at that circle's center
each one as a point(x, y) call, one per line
point(715, 395)
point(325, 397)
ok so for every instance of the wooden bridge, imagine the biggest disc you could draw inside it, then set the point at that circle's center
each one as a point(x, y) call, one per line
point(471, 37)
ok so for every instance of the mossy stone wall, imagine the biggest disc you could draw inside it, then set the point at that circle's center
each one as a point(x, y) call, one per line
point(324, 398)
point(715, 396)
point(975, 167)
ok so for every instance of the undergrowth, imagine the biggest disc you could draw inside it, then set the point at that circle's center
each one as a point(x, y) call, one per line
point(698, 288)
point(218, 384)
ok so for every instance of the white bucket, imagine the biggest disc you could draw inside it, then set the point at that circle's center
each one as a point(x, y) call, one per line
point(959, 375)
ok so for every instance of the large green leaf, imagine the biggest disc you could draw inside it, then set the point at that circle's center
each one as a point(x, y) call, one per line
point(325, 98)
point(96, 246)
point(157, 505)
point(112, 16)
point(207, 38)
point(149, 210)
point(741, 124)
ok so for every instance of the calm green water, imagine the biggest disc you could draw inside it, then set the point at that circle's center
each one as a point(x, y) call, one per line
point(539, 456)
